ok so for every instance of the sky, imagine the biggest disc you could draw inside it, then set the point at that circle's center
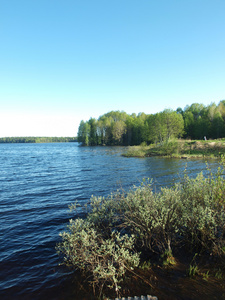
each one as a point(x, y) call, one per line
point(63, 61)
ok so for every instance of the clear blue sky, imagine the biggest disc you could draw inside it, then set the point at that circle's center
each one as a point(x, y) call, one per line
point(62, 61)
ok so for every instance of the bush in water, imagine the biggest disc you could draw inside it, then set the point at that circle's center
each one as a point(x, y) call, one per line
point(191, 214)
point(105, 259)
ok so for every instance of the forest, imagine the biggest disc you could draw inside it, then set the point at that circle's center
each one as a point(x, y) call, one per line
point(37, 139)
point(196, 121)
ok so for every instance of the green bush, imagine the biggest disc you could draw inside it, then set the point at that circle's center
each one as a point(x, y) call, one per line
point(105, 260)
point(154, 219)
point(106, 244)
point(169, 147)
point(203, 215)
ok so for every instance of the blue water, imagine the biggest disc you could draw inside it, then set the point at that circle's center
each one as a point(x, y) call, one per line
point(37, 183)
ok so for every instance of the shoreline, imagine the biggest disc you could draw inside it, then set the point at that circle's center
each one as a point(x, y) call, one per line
point(180, 149)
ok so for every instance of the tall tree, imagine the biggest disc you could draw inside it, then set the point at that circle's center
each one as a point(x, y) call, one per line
point(157, 128)
point(118, 131)
point(84, 133)
point(93, 137)
point(174, 124)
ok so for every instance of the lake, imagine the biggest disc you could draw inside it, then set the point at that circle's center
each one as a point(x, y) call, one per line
point(37, 183)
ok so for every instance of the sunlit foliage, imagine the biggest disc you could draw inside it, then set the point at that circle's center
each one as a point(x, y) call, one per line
point(118, 128)
point(129, 227)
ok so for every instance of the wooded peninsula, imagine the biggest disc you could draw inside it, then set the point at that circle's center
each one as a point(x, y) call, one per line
point(195, 122)
point(180, 134)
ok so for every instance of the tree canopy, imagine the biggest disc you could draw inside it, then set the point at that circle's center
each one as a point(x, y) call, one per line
point(119, 128)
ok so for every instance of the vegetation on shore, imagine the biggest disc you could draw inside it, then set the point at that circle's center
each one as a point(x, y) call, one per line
point(38, 139)
point(180, 149)
point(194, 122)
point(128, 234)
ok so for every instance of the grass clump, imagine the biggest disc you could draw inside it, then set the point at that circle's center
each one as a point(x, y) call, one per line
point(192, 271)
point(178, 148)
point(137, 151)
point(127, 229)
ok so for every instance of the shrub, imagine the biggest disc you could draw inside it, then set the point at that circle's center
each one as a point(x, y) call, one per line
point(104, 260)
point(203, 215)
point(152, 218)
point(104, 245)
point(169, 147)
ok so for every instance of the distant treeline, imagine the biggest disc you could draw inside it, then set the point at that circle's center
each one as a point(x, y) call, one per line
point(118, 128)
point(37, 139)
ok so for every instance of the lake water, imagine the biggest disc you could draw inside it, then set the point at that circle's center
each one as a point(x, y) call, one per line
point(37, 183)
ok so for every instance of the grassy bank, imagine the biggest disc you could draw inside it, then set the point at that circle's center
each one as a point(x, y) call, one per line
point(127, 241)
point(180, 149)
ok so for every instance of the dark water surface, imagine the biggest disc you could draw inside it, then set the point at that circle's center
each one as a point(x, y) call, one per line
point(37, 183)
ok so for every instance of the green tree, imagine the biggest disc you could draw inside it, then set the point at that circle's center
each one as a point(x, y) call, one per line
point(157, 128)
point(165, 125)
point(118, 131)
point(188, 123)
point(84, 133)
point(217, 126)
point(93, 137)
point(140, 129)
point(130, 121)
point(196, 121)
point(105, 128)
point(174, 124)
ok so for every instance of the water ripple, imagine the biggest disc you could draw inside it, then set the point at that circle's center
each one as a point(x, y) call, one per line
point(37, 183)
